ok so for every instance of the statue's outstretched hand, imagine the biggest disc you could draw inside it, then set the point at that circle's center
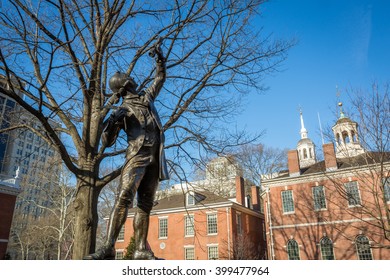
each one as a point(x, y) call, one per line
point(156, 50)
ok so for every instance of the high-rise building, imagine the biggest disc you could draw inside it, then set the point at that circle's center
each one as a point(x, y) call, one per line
point(25, 155)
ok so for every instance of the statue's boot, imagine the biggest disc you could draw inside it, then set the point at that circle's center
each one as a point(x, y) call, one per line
point(143, 255)
point(103, 253)
point(107, 251)
point(141, 228)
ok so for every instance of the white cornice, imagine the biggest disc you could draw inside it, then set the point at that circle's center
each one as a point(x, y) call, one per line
point(9, 190)
point(323, 223)
point(203, 208)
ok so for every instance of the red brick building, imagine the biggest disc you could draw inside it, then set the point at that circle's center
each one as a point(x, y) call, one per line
point(9, 190)
point(200, 225)
point(337, 208)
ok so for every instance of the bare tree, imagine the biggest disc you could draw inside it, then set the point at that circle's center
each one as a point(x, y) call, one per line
point(49, 221)
point(58, 54)
point(243, 249)
point(106, 201)
point(258, 160)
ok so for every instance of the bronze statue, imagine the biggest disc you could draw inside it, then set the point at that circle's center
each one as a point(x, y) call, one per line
point(145, 162)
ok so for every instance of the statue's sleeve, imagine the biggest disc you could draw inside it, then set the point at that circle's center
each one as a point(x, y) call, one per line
point(112, 127)
point(154, 89)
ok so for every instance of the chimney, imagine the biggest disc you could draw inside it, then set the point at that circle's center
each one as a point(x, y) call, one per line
point(255, 198)
point(240, 190)
point(293, 163)
point(329, 156)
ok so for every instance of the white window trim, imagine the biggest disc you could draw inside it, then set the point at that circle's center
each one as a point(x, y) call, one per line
point(159, 231)
point(122, 239)
point(188, 247)
point(193, 196)
point(185, 225)
point(360, 197)
point(334, 255)
point(119, 251)
point(207, 225)
point(299, 250)
point(212, 245)
point(326, 202)
point(239, 226)
point(356, 249)
point(292, 195)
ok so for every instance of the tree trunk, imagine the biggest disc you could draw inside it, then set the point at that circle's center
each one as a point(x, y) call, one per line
point(86, 217)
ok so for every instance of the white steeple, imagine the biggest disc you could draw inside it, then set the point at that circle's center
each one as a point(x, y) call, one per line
point(303, 129)
point(305, 147)
point(346, 135)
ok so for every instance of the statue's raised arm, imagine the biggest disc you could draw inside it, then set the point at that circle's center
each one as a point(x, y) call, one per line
point(154, 89)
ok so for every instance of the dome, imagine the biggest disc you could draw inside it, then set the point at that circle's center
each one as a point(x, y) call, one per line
point(305, 141)
point(344, 120)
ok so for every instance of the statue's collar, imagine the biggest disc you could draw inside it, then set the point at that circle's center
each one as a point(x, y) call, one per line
point(131, 96)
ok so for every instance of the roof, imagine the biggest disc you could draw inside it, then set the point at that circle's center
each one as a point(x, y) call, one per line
point(203, 198)
point(365, 159)
point(305, 141)
point(179, 200)
point(344, 120)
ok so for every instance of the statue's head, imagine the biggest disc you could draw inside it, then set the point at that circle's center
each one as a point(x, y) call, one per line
point(120, 80)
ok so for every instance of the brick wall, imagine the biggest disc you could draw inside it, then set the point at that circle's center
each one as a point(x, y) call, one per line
point(7, 204)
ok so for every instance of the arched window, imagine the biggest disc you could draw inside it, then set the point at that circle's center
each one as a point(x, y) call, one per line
point(363, 248)
point(354, 137)
point(346, 139)
point(304, 153)
point(338, 138)
point(326, 249)
point(292, 250)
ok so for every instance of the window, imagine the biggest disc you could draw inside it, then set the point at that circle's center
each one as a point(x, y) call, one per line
point(261, 201)
point(292, 250)
point(163, 228)
point(189, 253)
point(190, 199)
point(119, 255)
point(287, 201)
point(189, 225)
point(212, 226)
point(363, 248)
point(319, 198)
point(239, 223)
point(121, 235)
point(326, 249)
point(352, 191)
point(386, 189)
point(212, 252)
point(304, 153)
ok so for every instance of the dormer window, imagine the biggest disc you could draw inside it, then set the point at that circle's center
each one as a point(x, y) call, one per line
point(190, 199)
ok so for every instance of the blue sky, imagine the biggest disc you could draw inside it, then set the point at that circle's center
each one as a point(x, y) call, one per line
point(340, 43)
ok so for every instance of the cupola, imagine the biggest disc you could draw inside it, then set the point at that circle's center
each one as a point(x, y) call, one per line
point(346, 136)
